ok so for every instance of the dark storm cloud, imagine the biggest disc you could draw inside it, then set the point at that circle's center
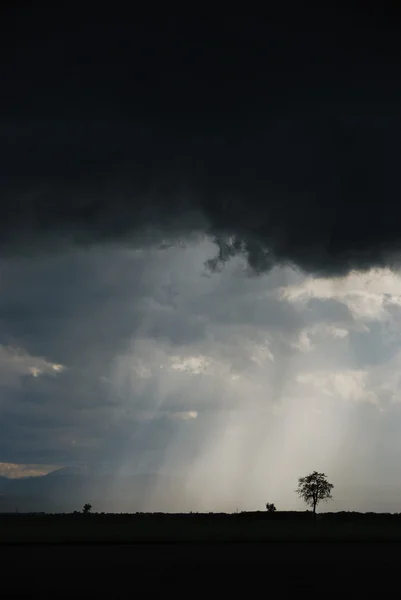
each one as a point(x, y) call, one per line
point(281, 141)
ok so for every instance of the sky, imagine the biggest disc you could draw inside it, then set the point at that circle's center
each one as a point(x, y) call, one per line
point(200, 254)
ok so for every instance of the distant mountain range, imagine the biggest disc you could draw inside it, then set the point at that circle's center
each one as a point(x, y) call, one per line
point(68, 489)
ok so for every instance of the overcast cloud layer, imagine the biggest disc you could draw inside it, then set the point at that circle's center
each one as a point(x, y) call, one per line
point(145, 361)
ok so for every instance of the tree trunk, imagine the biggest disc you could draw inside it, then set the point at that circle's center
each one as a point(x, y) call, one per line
point(314, 511)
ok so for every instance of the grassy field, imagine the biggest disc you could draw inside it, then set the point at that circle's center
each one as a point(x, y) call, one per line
point(158, 528)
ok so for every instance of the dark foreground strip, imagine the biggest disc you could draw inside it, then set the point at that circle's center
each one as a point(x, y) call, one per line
point(123, 570)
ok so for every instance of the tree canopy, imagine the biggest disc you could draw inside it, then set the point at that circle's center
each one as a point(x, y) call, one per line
point(314, 488)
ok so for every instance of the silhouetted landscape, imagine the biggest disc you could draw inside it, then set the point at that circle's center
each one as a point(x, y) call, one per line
point(26, 517)
point(32, 521)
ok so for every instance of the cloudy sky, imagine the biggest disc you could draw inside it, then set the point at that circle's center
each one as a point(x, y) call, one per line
point(199, 261)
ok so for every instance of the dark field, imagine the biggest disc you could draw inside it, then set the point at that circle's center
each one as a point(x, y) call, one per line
point(115, 554)
point(167, 528)
point(202, 568)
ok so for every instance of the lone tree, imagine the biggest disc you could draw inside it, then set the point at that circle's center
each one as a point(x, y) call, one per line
point(87, 508)
point(270, 507)
point(313, 488)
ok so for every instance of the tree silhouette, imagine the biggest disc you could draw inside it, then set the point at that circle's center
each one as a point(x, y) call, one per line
point(270, 507)
point(313, 488)
point(87, 508)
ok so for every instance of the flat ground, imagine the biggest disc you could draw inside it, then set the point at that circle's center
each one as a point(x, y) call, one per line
point(120, 554)
point(157, 528)
point(122, 570)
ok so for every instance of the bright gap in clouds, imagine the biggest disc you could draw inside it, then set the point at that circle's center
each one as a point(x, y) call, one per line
point(238, 384)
